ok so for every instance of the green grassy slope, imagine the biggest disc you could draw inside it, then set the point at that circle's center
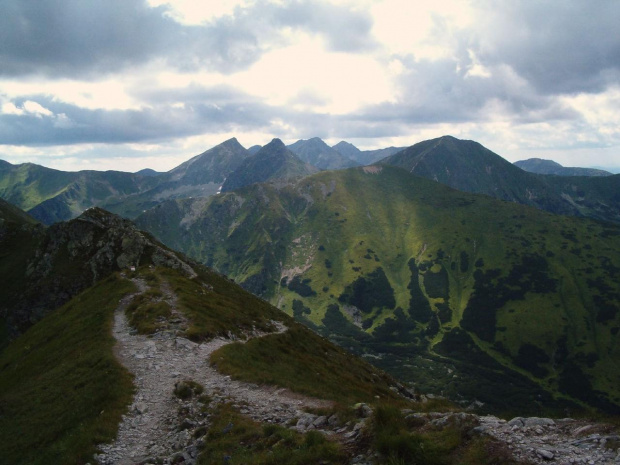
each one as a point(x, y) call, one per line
point(431, 279)
point(61, 389)
point(52, 195)
point(19, 237)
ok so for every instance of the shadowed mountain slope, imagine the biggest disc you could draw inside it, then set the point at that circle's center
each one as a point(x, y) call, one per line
point(271, 162)
point(470, 167)
point(42, 268)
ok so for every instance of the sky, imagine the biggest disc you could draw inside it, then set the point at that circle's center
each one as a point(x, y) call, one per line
point(131, 84)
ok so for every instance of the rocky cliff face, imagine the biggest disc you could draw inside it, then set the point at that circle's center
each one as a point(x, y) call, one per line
point(62, 260)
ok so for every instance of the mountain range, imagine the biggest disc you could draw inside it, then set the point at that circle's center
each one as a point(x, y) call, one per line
point(52, 195)
point(442, 264)
point(317, 153)
point(364, 157)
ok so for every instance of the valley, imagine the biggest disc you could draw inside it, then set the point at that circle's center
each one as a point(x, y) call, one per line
point(422, 277)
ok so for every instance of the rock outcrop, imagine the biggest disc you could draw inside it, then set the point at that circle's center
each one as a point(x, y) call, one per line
point(66, 258)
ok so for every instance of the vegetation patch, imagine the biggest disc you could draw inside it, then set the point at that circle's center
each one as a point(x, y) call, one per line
point(492, 291)
point(236, 439)
point(401, 441)
point(216, 307)
point(301, 287)
point(397, 329)
point(437, 284)
point(187, 389)
point(147, 313)
point(419, 308)
point(370, 291)
point(530, 357)
point(62, 391)
point(335, 322)
point(306, 363)
point(464, 262)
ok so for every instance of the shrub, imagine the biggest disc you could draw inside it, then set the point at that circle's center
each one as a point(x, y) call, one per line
point(187, 388)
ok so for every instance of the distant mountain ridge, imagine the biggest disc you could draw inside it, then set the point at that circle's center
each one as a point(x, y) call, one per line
point(52, 195)
point(200, 176)
point(272, 161)
point(317, 153)
point(364, 157)
point(470, 167)
point(542, 166)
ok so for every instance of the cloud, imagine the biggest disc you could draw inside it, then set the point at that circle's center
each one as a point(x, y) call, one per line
point(567, 47)
point(39, 120)
point(69, 38)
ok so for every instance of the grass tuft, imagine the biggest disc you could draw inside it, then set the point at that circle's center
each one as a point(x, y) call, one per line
point(235, 439)
point(187, 389)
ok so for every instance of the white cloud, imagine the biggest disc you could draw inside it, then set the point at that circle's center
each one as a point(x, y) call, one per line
point(345, 82)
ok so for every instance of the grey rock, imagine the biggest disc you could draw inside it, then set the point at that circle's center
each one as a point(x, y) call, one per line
point(535, 421)
point(141, 408)
point(517, 421)
point(479, 431)
point(545, 454)
point(305, 421)
point(363, 410)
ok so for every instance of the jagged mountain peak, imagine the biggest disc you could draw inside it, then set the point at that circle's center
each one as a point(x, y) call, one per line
point(274, 144)
point(273, 161)
point(343, 144)
point(317, 153)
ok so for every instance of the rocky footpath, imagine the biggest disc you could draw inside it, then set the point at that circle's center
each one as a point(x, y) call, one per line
point(562, 441)
point(535, 440)
point(162, 427)
point(176, 388)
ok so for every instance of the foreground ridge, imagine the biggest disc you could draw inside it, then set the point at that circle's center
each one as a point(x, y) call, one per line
point(162, 426)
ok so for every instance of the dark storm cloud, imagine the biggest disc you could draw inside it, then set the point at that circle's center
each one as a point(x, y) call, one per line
point(559, 47)
point(82, 38)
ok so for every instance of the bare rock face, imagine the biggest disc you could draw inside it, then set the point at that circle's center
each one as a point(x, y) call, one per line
point(68, 257)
